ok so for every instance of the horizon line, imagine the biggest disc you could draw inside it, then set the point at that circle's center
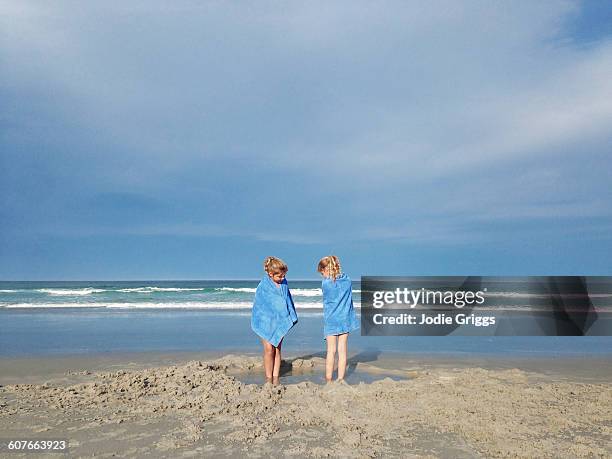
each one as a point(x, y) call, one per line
point(142, 280)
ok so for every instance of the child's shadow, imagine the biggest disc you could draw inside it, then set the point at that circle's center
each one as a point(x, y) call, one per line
point(362, 357)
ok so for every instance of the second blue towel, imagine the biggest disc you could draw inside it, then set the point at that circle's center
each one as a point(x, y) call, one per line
point(338, 311)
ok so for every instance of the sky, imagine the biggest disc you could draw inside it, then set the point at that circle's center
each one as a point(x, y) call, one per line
point(189, 140)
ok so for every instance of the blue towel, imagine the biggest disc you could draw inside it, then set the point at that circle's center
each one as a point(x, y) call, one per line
point(273, 311)
point(338, 312)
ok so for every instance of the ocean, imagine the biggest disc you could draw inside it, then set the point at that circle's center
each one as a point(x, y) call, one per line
point(93, 317)
point(230, 294)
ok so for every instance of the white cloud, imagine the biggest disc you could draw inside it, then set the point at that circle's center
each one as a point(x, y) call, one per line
point(418, 108)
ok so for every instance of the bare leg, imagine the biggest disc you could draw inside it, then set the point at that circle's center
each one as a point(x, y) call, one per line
point(331, 357)
point(277, 363)
point(268, 357)
point(342, 352)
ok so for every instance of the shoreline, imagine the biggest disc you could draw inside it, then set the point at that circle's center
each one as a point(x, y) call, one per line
point(36, 368)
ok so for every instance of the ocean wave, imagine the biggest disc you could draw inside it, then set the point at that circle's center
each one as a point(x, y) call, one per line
point(154, 305)
point(294, 291)
point(89, 290)
point(303, 292)
point(306, 292)
point(50, 305)
point(69, 292)
point(182, 305)
point(157, 289)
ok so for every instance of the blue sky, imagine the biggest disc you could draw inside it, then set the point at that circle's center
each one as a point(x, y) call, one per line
point(189, 140)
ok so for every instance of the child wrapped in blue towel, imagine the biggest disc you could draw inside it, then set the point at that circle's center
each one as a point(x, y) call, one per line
point(338, 314)
point(273, 315)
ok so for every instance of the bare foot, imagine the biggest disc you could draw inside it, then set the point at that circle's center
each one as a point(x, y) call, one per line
point(275, 381)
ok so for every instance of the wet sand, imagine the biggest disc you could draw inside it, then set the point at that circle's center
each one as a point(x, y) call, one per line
point(196, 404)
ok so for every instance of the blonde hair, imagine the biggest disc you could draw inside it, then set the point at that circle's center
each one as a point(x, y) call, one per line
point(333, 263)
point(275, 265)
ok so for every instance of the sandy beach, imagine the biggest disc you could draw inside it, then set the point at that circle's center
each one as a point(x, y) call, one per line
point(195, 404)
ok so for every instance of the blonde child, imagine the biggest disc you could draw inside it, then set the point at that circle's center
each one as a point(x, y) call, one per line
point(273, 315)
point(338, 313)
